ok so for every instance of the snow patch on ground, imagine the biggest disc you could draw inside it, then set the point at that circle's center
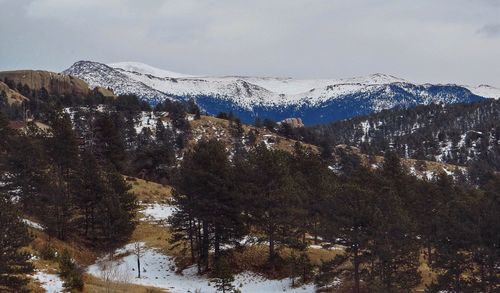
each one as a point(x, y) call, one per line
point(159, 270)
point(33, 224)
point(52, 283)
point(157, 212)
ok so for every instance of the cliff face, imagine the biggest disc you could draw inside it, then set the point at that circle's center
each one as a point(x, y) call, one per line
point(54, 83)
point(11, 95)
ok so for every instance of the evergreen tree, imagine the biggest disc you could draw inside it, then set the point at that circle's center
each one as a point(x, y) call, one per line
point(271, 196)
point(350, 219)
point(70, 272)
point(487, 250)
point(223, 277)
point(110, 147)
point(116, 210)
point(457, 231)
point(63, 152)
point(28, 167)
point(300, 268)
point(314, 181)
point(6, 134)
point(90, 188)
point(14, 262)
point(208, 202)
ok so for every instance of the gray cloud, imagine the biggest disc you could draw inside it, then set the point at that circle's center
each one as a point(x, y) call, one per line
point(423, 40)
point(490, 30)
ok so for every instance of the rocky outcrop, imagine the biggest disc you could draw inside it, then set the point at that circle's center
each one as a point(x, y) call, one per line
point(293, 122)
point(54, 83)
point(11, 95)
point(104, 92)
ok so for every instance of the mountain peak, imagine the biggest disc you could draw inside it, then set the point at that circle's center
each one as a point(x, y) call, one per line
point(142, 68)
point(380, 78)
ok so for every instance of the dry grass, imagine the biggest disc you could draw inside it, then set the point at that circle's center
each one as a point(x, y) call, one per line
point(96, 285)
point(147, 191)
point(35, 287)
point(211, 127)
point(83, 255)
point(317, 256)
point(153, 235)
point(428, 276)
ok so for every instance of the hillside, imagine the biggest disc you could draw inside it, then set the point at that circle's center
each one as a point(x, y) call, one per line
point(457, 134)
point(11, 95)
point(208, 127)
point(314, 101)
point(54, 83)
point(232, 182)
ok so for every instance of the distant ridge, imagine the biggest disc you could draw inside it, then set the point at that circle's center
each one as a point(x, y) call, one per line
point(315, 101)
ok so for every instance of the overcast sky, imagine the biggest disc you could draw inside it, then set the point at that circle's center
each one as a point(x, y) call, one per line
point(420, 40)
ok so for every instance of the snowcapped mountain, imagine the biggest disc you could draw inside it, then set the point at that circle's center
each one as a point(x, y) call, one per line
point(315, 101)
point(142, 68)
point(486, 91)
point(98, 74)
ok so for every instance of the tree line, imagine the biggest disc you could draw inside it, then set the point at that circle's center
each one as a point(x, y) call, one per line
point(68, 176)
point(462, 134)
point(67, 188)
point(385, 220)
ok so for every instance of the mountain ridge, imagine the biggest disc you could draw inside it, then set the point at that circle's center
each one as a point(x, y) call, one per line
point(314, 101)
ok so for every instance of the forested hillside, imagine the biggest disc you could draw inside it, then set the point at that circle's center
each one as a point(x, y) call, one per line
point(462, 134)
point(233, 206)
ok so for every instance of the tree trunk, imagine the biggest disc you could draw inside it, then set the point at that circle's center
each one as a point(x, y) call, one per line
point(356, 269)
point(138, 267)
point(206, 245)
point(217, 244)
point(271, 247)
point(200, 248)
point(315, 229)
point(191, 240)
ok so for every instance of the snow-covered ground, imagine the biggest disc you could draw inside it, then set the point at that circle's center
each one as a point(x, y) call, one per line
point(159, 271)
point(52, 283)
point(33, 224)
point(149, 120)
point(486, 91)
point(146, 69)
point(157, 212)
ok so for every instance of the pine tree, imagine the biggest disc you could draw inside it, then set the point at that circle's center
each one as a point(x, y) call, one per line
point(14, 262)
point(208, 202)
point(271, 196)
point(300, 268)
point(90, 188)
point(28, 167)
point(70, 272)
point(6, 133)
point(116, 210)
point(350, 218)
point(487, 250)
point(110, 147)
point(314, 181)
point(395, 251)
point(62, 147)
point(223, 277)
point(456, 234)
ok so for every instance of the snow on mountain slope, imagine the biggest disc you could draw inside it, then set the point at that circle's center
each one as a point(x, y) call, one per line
point(486, 91)
point(97, 74)
point(315, 101)
point(130, 77)
point(291, 86)
point(146, 69)
point(247, 92)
